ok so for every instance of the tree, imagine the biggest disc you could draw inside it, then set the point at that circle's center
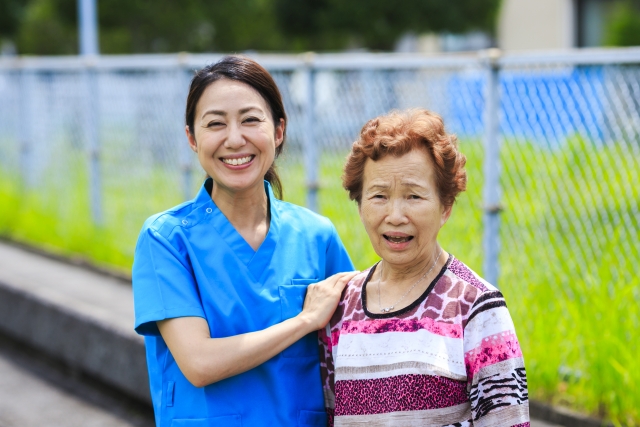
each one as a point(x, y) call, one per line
point(624, 25)
point(377, 24)
point(10, 16)
point(138, 26)
point(48, 27)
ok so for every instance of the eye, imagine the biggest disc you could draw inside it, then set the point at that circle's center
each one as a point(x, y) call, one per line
point(251, 120)
point(214, 124)
point(414, 197)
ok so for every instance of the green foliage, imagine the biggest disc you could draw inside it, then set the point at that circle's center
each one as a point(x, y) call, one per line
point(137, 26)
point(623, 28)
point(377, 24)
point(47, 27)
point(10, 16)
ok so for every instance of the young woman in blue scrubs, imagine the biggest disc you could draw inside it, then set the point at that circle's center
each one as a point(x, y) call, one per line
point(231, 287)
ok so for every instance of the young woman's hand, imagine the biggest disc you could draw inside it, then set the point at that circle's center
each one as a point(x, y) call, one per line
point(323, 298)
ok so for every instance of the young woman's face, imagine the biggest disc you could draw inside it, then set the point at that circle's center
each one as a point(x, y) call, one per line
point(401, 209)
point(234, 135)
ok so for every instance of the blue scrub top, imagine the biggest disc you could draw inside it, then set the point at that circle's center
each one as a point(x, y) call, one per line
point(190, 261)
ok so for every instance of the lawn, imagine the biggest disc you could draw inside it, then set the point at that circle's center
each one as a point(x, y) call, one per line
point(570, 247)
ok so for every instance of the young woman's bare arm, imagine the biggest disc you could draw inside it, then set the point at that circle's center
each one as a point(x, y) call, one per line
point(204, 360)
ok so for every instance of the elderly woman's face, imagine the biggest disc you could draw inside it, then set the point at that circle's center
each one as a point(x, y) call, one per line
point(400, 207)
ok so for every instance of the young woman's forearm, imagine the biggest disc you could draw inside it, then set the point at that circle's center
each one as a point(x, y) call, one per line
point(204, 360)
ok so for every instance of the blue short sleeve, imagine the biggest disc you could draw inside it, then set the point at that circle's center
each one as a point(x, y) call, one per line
point(163, 283)
point(337, 257)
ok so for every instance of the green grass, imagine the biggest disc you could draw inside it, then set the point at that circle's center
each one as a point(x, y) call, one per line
point(570, 249)
point(571, 241)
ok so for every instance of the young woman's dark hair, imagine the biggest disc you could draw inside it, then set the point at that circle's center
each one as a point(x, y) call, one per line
point(249, 72)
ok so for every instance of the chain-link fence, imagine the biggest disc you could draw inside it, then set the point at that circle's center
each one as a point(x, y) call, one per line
point(88, 150)
point(104, 140)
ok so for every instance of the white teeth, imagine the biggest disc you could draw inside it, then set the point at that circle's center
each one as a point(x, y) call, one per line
point(236, 162)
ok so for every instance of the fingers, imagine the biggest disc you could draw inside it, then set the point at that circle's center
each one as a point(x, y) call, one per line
point(345, 278)
point(323, 297)
point(341, 279)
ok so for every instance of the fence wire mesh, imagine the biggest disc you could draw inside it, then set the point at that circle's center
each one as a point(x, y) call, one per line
point(571, 160)
point(103, 148)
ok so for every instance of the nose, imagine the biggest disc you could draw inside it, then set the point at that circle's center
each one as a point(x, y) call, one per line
point(235, 138)
point(396, 214)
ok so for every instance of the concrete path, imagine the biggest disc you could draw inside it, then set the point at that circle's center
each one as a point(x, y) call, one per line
point(32, 395)
point(27, 401)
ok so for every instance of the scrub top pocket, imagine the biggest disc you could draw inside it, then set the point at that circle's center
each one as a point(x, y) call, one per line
point(291, 301)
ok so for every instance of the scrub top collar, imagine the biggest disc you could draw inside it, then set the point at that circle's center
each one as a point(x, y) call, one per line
point(256, 261)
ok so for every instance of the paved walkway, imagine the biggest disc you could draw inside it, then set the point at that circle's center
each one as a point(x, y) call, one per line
point(32, 398)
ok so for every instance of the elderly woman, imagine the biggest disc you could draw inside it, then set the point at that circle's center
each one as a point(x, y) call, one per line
point(418, 339)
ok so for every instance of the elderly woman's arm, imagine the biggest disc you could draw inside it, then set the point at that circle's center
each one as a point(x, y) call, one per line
point(494, 364)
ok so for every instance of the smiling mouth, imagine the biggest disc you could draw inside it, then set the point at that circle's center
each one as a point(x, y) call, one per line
point(397, 239)
point(237, 162)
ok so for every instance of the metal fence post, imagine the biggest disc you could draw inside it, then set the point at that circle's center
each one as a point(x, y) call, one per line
point(25, 138)
point(89, 49)
point(491, 168)
point(309, 145)
point(93, 144)
point(186, 155)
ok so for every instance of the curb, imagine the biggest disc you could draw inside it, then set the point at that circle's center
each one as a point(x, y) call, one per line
point(83, 344)
point(562, 416)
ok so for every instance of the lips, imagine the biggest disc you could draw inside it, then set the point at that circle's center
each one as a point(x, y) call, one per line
point(238, 161)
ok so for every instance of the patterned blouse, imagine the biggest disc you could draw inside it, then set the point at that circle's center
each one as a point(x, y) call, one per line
point(451, 358)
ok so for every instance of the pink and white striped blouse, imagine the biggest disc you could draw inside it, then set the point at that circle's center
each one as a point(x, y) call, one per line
point(451, 358)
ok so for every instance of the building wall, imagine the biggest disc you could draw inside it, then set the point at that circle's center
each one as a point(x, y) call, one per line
point(536, 24)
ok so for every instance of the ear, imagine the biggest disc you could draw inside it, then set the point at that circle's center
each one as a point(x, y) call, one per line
point(446, 213)
point(280, 132)
point(192, 140)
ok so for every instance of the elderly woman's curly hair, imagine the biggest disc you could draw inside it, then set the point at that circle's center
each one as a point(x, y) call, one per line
point(399, 132)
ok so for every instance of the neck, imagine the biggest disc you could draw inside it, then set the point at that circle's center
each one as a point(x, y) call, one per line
point(402, 274)
point(246, 210)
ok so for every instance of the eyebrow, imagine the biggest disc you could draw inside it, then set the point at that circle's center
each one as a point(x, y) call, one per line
point(406, 183)
point(377, 186)
point(409, 183)
point(224, 113)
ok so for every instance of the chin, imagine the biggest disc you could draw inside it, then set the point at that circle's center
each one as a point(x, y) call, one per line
point(396, 257)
